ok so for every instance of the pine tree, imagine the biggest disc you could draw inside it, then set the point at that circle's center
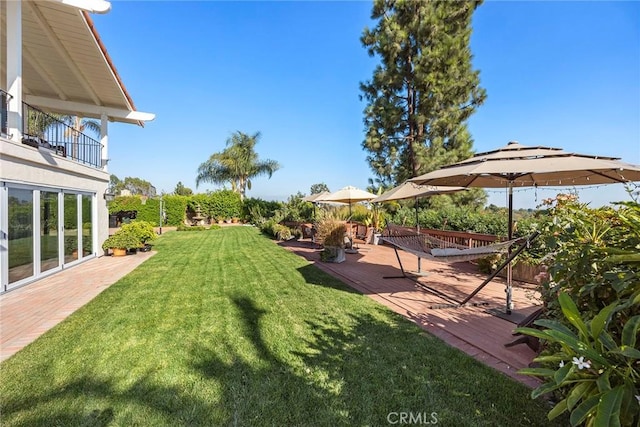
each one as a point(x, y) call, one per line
point(424, 89)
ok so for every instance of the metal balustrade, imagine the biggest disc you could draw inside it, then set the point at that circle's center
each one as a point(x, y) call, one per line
point(51, 131)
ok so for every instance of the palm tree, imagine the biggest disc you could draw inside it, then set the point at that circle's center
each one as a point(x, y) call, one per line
point(236, 164)
point(78, 125)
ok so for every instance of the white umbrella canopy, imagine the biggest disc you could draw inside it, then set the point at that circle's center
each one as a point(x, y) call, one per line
point(314, 198)
point(348, 195)
point(517, 165)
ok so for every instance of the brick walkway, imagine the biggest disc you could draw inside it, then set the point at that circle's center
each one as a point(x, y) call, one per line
point(29, 311)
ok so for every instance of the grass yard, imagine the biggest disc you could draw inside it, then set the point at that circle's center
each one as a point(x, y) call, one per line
point(226, 328)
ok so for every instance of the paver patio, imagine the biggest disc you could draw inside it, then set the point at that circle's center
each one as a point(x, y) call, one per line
point(29, 311)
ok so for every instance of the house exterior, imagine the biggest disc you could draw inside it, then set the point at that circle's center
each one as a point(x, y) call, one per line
point(53, 174)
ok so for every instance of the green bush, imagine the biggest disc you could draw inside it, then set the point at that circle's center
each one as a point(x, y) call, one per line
point(122, 239)
point(591, 322)
point(255, 210)
point(143, 230)
point(174, 208)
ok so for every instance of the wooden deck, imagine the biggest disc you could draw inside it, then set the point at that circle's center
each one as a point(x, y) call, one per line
point(470, 329)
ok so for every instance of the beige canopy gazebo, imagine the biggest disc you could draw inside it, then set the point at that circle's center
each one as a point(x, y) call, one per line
point(517, 165)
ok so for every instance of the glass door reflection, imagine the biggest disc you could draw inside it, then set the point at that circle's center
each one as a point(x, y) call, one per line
point(49, 226)
point(70, 227)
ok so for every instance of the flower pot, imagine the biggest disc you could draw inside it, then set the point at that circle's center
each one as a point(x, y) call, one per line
point(333, 254)
point(376, 238)
point(119, 251)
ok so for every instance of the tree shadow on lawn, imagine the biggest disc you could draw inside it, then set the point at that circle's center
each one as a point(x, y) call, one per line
point(313, 275)
point(360, 369)
point(357, 369)
point(69, 404)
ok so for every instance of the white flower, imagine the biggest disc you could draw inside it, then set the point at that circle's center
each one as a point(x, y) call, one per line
point(562, 363)
point(638, 397)
point(582, 364)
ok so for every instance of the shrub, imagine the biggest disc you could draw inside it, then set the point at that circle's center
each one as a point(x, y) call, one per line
point(122, 239)
point(592, 300)
point(143, 230)
point(331, 231)
point(256, 210)
point(281, 232)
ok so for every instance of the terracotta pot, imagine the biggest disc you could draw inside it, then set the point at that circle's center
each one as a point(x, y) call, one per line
point(119, 251)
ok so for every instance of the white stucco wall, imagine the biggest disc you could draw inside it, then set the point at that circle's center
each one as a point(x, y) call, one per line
point(22, 164)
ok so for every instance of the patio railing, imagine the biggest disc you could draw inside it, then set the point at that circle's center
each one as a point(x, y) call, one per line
point(4, 109)
point(49, 131)
point(464, 238)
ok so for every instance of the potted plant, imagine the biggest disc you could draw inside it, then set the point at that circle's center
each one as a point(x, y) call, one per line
point(376, 219)
point(331, 233)
point(121, 241)
point(144, 231)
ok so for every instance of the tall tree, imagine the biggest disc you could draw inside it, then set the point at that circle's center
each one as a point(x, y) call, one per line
point(181, 190)
point(134, 185)
point(319, 188)
point(424, 88)
point(237, 164)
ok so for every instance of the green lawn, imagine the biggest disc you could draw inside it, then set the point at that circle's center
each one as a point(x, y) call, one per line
point(225, 328)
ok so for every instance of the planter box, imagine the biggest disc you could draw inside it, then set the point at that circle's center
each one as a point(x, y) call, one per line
point(333, 254)
point(523, 272)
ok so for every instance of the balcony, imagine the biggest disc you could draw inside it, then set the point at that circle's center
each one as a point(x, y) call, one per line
point(52, 132)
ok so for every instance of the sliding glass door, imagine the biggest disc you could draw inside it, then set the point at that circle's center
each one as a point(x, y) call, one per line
point(20, 234)
point(70, 227)
point(87, 225)
point(46, 229)
point(49, 226)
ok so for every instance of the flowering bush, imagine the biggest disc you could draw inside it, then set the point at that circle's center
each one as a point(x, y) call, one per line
point(592, 313)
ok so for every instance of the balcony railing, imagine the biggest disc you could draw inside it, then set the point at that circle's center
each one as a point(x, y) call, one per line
point(4, 109)
point(44, 130)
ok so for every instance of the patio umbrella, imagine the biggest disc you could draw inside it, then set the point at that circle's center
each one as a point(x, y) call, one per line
point(411, 190)
point(517, 165)
point(349, 195)
point(315, 199)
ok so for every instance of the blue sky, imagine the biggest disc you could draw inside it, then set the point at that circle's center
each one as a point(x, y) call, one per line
point(560, 74)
